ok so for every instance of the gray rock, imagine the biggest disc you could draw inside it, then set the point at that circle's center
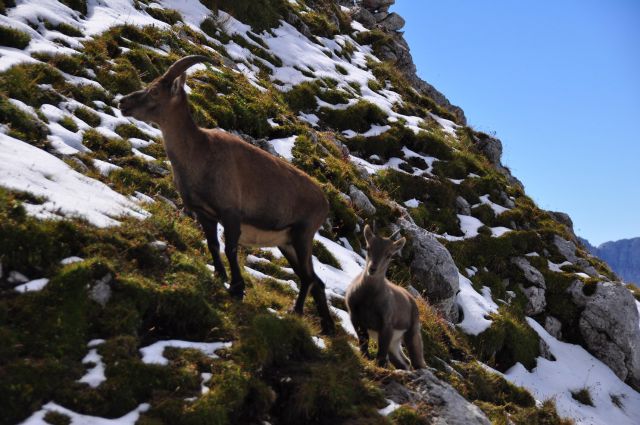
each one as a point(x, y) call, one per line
point(553, 326)
point(380, 15)
point(434, 272)
point(377, 4)
point(360, 201)
point(445, 405)
point(536, 301)
point(545, 351)
point(158, 245)
point(462, 206)
point(562, 218)
point(490, 147)
point(392, 22)
point(566, 248)
point(364, 16)
point(17, 278)
point(532, 274)
point(100, 292)
point(587, 267)
point(609, 326)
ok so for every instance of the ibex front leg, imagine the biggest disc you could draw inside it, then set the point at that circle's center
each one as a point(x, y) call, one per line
point(231, 237)
point(210, 228)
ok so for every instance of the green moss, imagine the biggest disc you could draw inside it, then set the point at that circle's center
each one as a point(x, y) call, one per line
point(12, 37)
point(22, 82)
point(582, 395)
point(508, 341)
point(560, 306)
point(79, 5)
point(64, 28)
point(56, 418)
point(22, 125)
point(405, 415)
point(105, 146)
point(89, 117)
point(244, 11)
point(68, 123)
point(303, 97)
point(124, 79)
point(358, 117)
point(324, 255)
point(169, 16)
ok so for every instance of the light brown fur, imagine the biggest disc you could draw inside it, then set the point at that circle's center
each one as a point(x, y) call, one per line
point(260, 200)
point(383, 310)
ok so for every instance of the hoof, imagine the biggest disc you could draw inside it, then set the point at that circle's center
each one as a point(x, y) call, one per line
point(293, 310)
point(328, 329)
point(236, 291)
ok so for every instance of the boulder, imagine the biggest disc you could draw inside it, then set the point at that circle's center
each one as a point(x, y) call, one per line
point(490, 147)
point(360, 201)
point(445, 405)
point(462, 206)
point(377, 4)
point(554, 327)
point(609, 326)
point(100, 291)
point(566, 248)
point(531, 274)
point(536, 301)
point(434, 273)
point(364, 16)
point(393, 22)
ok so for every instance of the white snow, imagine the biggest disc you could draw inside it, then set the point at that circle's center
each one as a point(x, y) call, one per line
point(153, 354)
point(474, 307)
point(469, 225)
point(496, 232)
point(68, 193)
point(336, 280)
point(391, 407)
point(259, 275)
point(412, 203)
point(32, 286)
point(497, 209)
point(95, 375)
point(71, 260)
point(77, 419)
point(284, 146)
point(574, 369)
point(558, 267)
point(319, 342)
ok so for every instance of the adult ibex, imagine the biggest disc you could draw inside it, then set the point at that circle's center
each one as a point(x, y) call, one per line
point(384, 310)
point(260, 200)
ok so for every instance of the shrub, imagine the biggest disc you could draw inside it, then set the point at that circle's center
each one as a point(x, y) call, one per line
point(12, 37)
point(245, 11)
point(324, 255)
point(22, 125)
point(358, 117)
point(79, 5)
point(169, 16)
point(88, 116)
point(303, 97)
point(64, 28)
point(582, 395)
point(68, 123)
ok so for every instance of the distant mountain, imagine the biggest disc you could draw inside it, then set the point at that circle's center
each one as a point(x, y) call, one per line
point(623, 256)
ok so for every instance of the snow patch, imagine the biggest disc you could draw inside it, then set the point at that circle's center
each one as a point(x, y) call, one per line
point(474, 307)
point(153, 354)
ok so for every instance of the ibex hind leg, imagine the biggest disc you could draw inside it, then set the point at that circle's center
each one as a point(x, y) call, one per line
point(231, 237)
point(396, 356)
point(413, 342)
point(303, 244)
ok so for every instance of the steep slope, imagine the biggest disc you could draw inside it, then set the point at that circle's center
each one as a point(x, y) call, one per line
point(622, 256)
point(109, 309)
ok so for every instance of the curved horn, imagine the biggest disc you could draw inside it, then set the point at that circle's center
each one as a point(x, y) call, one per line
point(181, 65)
point(394, 234)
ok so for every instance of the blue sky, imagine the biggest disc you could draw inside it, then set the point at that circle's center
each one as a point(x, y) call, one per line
point(559, 84)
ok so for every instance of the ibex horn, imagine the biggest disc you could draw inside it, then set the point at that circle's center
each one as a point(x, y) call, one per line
point(394, 234)
point(181, 65)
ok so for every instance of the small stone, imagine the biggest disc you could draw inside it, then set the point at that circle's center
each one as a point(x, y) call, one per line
point(100, 292)
point(158, 245)
point(462, 206)
point(16, 278)
point(554, 327)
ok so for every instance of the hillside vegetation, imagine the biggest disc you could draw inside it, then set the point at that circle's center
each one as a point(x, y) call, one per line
point(100, 268)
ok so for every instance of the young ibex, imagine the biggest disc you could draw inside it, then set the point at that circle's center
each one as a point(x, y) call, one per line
point(383, 310)
point(260, 200)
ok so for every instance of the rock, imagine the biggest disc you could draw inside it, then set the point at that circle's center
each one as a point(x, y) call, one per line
point(587, 267)
point(16, 278)
point(379, 16)
point(532, 274)
point(374, 5)
point(434, 272)
point(490, 147)
point(363, 16)
point(554, 327)
point(393, 22)
point(506, 200)
point(462, 206)
point(562, 218)
point(566, 248)
point(536, 301)
point(156, 169)
point(100, 292)
point(445, 405)
point(609, 326)
point(360, 201)
point(545, 351)
point(159, 246)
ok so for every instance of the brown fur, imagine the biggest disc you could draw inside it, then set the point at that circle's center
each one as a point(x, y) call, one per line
point(260, 200)
point(383, 310)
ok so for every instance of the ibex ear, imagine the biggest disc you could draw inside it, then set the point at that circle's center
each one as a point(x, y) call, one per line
point(397, 245)
point(368, 234)
point(178, 84)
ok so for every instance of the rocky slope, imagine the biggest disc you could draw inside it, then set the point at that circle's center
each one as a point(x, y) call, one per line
point(622, 256)
point(109, 308)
